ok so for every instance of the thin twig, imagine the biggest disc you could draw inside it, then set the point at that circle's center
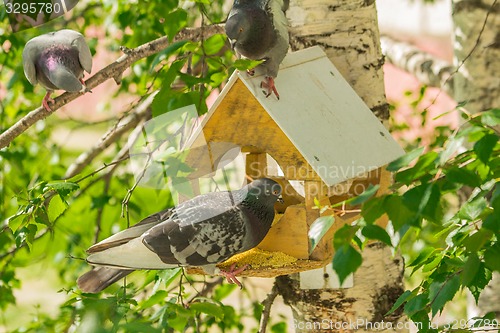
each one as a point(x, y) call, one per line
point(266, 313)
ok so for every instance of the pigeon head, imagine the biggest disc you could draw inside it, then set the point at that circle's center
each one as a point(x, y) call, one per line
point(250, 32)
point(265, 191)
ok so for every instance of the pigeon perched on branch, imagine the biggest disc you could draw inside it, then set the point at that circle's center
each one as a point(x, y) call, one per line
point(258, 30)
point(57, 60)
point(200, 232)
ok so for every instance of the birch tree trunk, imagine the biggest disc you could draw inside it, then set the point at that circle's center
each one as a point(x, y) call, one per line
point(348, 32)
point(477, 52)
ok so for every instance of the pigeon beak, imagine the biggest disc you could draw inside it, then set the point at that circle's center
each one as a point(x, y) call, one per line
point(280, 200)
point(233, 43)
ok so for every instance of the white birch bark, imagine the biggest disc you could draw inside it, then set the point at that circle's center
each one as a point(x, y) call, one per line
point(477, 52)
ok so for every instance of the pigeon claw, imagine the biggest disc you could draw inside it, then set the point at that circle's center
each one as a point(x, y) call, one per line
point(231, 274)
point(251, 72)
point(46, 100)
point(84, 88)
point(268, 84)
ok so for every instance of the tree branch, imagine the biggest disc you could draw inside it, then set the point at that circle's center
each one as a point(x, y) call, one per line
point(114, 70)
point(428, 69)
point(268, 303)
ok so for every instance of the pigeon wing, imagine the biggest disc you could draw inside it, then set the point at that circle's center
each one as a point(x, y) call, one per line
point(29, 56)
point(279, 49)
point(201, 242)
point(84, 54)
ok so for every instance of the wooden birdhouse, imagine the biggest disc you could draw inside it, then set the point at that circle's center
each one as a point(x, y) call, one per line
point(326, 141)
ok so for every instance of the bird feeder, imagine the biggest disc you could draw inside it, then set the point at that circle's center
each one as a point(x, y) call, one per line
point(321, 135)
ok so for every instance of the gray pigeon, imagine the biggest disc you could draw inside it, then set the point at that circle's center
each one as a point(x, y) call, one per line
point(258, 29)
point(57, 60)
point(200, 232)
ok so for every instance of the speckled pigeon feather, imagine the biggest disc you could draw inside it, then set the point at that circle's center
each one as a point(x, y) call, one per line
point(258, 29)
point(57, 60)
point(203, 231)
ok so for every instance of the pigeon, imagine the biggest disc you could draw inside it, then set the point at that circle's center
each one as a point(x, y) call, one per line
point(201, 232)
point(258, 30)
point(57, 60)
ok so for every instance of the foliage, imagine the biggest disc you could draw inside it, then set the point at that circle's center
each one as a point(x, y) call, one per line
point(461, 245)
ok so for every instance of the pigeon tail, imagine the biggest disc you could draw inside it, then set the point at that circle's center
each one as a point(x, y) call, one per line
point(131, 255)
point(99, 278)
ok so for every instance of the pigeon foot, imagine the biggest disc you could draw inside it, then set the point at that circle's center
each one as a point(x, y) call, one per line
point(46, 100)
point(84, 88)
point(231, 274)
point(268, 84)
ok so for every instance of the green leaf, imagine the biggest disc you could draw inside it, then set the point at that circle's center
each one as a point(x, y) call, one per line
point(169, 275)
point(471, 210)
point(373, 209)
point(246, 64)
point(470, 270)
point(477, 240)
point(367, 194)
point(491, 117)
point(344, 235)
point(398, 213)
point(18, 221)
point(401, 299)
point(416, 304)
point(56, 207)
point(177, 20)
point(318, 229)
point(485, 146)
point(373, 231)
point(432, 264)
point(139, 326)
point(492, 222)
point(425, 164)
point(223, 291)
point(157, 298)
point(63, 188)
point(208, 308)
point(491, 256)
point(214, 44)
point(404, 160)
point(441, 293)
point(452, 146)
point(422, 257)
point(164, 54)
point(280, 327)
point(424, 200)
point(463, 176)
point(346, 261)
point(480, 281)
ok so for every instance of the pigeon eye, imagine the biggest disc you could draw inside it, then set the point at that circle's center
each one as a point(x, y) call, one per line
point(241, 30)
point(275, 192)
